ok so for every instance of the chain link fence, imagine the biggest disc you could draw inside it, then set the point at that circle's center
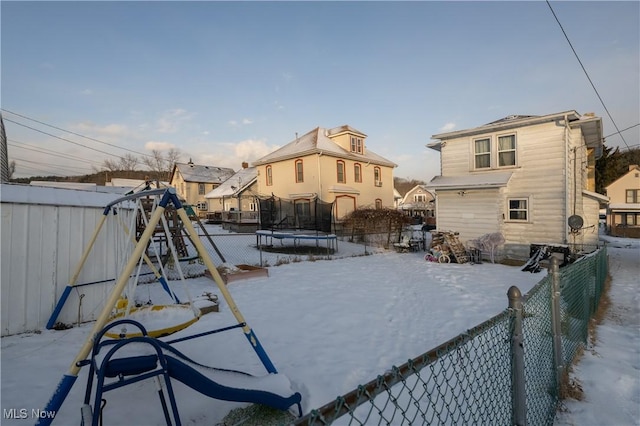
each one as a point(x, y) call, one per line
point(507, 370)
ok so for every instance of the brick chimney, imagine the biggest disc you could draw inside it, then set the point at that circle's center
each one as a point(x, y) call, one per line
point(245, 165)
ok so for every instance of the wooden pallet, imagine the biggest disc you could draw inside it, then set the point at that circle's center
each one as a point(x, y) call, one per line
point(458, 251)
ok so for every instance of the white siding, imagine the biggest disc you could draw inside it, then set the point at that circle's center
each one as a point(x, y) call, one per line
point(41, 247)
point(472, 215)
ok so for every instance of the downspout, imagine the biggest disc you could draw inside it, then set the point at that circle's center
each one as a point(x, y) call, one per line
point(319, 176)
point(566, 177)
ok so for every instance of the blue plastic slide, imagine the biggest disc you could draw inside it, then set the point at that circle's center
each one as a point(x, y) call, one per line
point(204, 385)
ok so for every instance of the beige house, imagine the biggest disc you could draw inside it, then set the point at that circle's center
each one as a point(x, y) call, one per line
point(530, 178)
point(419, 202)
point(193, 181)
point(332, 165)
point(235, 200)
point(623, 213)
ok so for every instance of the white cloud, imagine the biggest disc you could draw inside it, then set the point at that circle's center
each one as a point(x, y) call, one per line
point(252, 149)
point(110, 130)
point(87, 92)
point(235, 123)
point(448, 127)
point(172, 120)
point(232, 155)
point(158, 145)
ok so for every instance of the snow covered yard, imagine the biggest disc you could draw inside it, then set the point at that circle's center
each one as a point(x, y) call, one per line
point(331, 325)
point(327, 325)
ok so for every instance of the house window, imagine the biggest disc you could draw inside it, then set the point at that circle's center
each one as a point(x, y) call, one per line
point(299, 171)
point(356, 144)
point(357, 172)
point(201, 189)
point(377, 176)
point(518, 209)
point(482, 152)
point(506, 151)
point(633, 196)
point(420, 198)
point(253, 207)
point(341, 176)
point(378, 203)
point(631, 219)
point(269, 176)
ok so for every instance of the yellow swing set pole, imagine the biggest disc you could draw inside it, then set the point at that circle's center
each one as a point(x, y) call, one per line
point(202, 251)
point(69, 378)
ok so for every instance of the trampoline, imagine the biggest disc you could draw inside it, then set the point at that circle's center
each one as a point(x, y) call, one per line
point(296, 237)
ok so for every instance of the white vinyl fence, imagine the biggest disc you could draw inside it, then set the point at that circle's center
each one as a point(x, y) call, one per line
point(44, 232)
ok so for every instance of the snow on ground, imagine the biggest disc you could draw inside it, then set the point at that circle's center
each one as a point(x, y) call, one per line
point(328, 326)
point(609, 371)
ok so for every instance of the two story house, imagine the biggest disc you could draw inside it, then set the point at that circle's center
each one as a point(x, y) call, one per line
point(623, 215)
point(235, 200)
point(419, 202)
point(193, 181)
point(530, 178)
point(331, 165)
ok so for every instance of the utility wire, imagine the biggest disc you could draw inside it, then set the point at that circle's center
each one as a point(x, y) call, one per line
point(74, 133)
point(28, 147)
point(587, 74)
point(61, 138)
point(623, 130)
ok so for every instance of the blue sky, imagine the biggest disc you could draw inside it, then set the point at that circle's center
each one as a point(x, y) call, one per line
point(227, 82)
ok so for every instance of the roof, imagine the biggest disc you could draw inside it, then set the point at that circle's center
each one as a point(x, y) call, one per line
point(236, 184)
point(317, 141)
point(484, 180)
point(202, 174)
point(30, 194)
point(632, 169)
point(590, 124)
point(595, 195)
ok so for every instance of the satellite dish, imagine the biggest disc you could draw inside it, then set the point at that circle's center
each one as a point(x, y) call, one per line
point(575, 222)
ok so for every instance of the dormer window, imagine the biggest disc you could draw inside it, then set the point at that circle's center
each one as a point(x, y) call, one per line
point(356, 144)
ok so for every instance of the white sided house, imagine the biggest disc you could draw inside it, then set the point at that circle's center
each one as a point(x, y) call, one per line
point(44, 234)
point(236, 199)
point(623, 218)
point(530, 178)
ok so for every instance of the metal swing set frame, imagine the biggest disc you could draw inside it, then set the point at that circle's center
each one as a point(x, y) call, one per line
point(167, 196)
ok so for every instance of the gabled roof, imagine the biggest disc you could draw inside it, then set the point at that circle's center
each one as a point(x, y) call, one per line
point(236, 184)
point(590, 124)
point(632, 169)
point(317, 141)
point(202, 174)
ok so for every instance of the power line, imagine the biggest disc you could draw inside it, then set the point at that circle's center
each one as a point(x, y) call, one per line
point(61, 138)
point(74, 133)
point(623, 130)
point(28, 147)
point(587, 74)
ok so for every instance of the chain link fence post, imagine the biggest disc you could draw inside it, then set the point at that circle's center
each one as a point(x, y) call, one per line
point(518, 391)
point(556, 323)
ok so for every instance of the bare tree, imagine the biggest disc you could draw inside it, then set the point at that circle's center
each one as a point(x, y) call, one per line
point(129, 162)
point(162, 163)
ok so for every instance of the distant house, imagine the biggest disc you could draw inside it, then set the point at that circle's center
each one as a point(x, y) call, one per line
point(419, 202)
point(235, 200)
point(623, 214)
point(397, 198)
point(332, 165)
point(193, 181)
point(524, 177)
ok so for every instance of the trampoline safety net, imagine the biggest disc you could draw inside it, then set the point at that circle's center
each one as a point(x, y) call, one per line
point(308, 214)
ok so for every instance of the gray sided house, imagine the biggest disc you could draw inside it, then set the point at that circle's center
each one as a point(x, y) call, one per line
point(235, 200)
point(193, 181)
point(530, 178)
